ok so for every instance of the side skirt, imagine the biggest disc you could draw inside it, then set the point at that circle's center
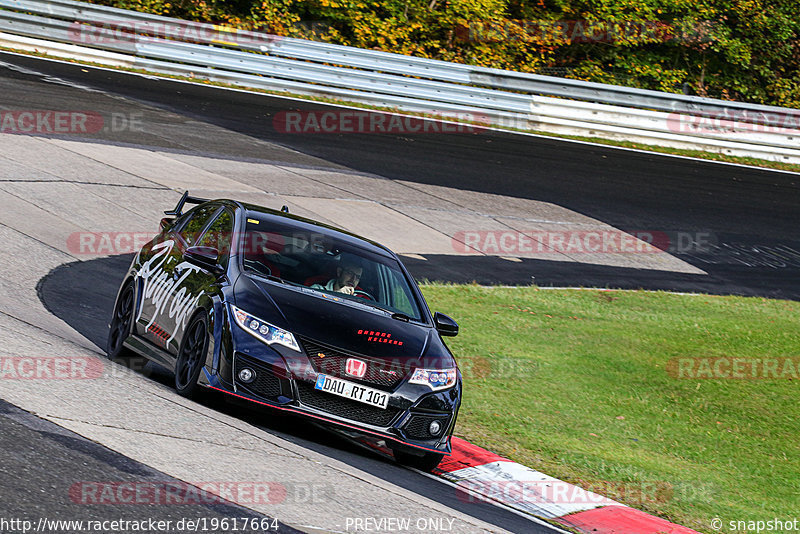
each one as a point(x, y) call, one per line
point(151, 352)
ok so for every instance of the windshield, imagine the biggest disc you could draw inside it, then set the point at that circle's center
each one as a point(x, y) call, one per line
point(323, 263)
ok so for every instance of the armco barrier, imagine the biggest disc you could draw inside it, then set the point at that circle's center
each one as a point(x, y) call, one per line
point(504, 98)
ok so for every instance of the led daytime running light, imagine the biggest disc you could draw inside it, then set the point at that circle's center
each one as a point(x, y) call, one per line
point(434, 378)
point(264, 331)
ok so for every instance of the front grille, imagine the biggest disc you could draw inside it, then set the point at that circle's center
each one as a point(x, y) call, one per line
point(266, 383)
point(417, 427)
point(331, 361)
point(349, 409)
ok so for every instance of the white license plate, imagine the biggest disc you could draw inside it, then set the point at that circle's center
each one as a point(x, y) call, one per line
point(350, 390)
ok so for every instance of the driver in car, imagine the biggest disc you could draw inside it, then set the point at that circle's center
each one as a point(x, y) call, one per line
point(348, 274)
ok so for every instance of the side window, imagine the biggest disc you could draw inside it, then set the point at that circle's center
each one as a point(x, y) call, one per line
point(219, 236)
point(396, 294)
point(198, 218)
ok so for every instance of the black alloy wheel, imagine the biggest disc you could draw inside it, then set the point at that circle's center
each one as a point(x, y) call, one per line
point(191, 356)
point(120, 328)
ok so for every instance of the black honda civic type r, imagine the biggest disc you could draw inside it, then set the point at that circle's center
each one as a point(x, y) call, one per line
point(295, 315)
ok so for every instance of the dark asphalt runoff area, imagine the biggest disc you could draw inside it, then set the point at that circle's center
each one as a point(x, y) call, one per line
point(52, 475)
point(739, 224)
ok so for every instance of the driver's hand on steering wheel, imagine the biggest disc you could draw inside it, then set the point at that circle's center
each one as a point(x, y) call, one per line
point(347, 290)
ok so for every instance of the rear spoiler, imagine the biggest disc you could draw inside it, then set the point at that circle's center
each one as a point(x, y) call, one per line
point(184, 199)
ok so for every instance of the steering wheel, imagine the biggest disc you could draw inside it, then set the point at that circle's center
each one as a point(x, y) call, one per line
point(364, 295)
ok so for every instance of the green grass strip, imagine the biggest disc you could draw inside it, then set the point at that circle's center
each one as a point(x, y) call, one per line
point(583, 385)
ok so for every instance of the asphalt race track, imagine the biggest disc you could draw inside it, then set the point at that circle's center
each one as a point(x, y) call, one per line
point(747, 218)
point(731, 230)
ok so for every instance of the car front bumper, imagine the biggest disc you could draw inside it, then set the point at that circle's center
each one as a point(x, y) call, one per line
point(406, 420)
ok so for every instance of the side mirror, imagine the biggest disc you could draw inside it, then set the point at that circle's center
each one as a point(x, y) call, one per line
point(166, 222)
point(445, 325)
point(205, 257)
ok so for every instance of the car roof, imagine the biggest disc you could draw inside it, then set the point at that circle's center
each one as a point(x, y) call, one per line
point(310, 225)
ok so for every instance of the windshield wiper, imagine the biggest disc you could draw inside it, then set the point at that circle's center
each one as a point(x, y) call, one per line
point(394, 315)
point(364, 302)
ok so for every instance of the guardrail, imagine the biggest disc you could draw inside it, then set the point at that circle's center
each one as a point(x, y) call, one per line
point(499, 97)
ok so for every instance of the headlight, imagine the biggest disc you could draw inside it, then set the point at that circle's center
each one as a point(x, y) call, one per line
point(268, 333)
point(435, 378)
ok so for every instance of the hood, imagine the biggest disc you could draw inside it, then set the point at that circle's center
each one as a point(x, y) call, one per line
point(340, 323)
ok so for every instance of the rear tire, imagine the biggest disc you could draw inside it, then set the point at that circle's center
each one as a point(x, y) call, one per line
point(191, 356)
point(426, 462)
point(120, 330)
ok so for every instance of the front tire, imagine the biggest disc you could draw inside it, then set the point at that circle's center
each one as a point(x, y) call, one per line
point(426, 462)
point(191, 356)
